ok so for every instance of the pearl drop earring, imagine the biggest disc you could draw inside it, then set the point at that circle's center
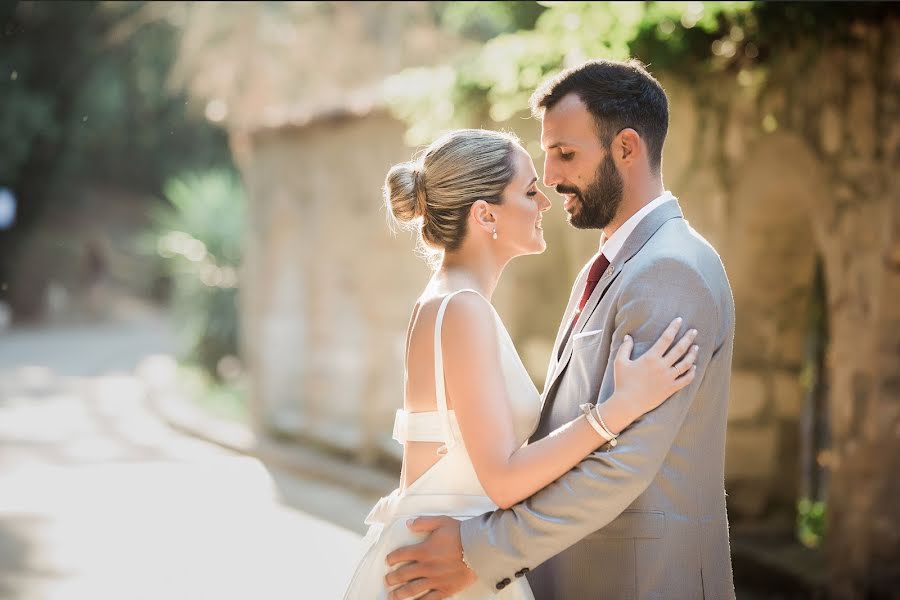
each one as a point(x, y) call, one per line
point(495, 233)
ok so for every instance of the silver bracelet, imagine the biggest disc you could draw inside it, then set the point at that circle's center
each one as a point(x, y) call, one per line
point(601, 430)
point(465, 562)
point(603, 424)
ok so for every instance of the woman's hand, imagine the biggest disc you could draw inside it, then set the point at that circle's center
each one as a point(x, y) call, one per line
point(651, 379)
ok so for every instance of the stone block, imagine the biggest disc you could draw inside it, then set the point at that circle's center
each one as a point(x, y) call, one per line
point(862, 115)
point(791, 348)
point(747, 396)
point(832, 133)
point(751, 453)
point(789, 396)
point(735, 144)
point(681, 145)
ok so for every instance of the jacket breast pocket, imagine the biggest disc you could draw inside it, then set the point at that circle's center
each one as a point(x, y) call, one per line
point(586, 339)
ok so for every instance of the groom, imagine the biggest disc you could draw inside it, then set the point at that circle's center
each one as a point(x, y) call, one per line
point(645, 519)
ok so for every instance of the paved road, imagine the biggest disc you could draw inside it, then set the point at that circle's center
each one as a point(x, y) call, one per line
point(99, 499)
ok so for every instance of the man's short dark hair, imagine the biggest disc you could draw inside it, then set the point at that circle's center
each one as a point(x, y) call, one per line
point(619, 95)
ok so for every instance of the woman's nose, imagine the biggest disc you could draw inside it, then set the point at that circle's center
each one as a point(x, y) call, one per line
point(545, 202)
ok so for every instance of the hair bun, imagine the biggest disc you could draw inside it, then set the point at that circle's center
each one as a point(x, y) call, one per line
point(404, 192)
point(419, 187)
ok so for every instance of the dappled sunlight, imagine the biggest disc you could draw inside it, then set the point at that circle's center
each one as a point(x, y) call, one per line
point(207, 529)
point(99, 498)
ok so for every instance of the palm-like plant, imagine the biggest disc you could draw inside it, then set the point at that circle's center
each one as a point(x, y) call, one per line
point(199, 236)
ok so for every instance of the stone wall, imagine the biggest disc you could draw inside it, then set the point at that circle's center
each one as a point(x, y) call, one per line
point(326, 289)
point(778, 169)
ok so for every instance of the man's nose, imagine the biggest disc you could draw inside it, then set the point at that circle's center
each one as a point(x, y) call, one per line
point(551, 178)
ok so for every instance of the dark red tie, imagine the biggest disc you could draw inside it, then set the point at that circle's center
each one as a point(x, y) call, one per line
point(594, 274)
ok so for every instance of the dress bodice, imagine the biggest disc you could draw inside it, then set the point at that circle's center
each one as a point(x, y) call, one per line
point(450, 486)
point(454, 472)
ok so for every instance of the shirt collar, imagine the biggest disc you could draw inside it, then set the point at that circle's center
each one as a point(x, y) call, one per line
point(611, 246)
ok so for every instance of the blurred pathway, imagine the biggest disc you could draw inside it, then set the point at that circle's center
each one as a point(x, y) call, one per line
point(99, 499)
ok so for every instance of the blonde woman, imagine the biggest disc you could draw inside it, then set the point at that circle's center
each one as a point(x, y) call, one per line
point(469, 405)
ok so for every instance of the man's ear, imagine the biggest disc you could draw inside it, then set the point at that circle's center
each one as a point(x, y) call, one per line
point(627, 146)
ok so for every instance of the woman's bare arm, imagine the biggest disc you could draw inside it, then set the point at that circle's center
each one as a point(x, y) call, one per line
point(477, 390)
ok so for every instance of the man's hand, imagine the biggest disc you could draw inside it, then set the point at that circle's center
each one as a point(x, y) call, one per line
point(435, 564)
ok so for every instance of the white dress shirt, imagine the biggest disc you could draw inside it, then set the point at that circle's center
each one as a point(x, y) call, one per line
point(613, 245)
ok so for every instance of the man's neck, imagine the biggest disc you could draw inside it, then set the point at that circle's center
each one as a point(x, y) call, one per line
point(632, 203)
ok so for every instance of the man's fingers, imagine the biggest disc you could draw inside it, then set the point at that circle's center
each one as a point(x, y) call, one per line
point(434, 595)
point(406, 573)
point(426, 524)
point(405, 554)
point(666, 339)
point(624, 352)
point(415, 551)
point(410, 590)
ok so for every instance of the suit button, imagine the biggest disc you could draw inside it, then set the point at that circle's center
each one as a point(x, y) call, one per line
point(503, 584)
point(522, 572)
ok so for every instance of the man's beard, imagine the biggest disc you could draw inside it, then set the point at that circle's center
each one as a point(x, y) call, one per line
point(598, 204)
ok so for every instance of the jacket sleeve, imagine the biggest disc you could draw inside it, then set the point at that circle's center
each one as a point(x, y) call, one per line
point(606, 482)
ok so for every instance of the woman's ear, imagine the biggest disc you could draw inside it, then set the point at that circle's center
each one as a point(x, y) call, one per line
point(483, 215)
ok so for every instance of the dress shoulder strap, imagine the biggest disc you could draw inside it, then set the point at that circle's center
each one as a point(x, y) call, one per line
point(440, 390)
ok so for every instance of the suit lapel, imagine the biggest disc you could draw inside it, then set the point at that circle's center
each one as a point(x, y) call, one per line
point(638, 238)
point(574, 295)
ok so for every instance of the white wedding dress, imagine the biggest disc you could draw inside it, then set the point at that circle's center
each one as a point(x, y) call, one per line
point(450, 486)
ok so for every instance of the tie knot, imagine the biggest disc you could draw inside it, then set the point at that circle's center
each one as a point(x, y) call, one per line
point(597, 268)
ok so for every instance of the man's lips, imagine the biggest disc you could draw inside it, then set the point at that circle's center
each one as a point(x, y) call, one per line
point(570, 195)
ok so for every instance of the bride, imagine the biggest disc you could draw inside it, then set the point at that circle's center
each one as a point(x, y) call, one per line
point(469, 405)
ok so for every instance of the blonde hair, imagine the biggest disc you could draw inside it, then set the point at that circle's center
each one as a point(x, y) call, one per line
point(433, 193)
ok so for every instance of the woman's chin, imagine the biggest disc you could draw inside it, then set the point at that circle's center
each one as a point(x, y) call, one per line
point(531, 250)
point(540, 246)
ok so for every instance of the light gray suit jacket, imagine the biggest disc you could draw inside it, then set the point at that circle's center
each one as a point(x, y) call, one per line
point(647, 518)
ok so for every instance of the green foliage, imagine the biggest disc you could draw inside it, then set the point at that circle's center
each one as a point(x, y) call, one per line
point(24, 116)
point(484, 20)
point(76, 96)
point(84, 97)
point(811, 522)
point(497, 80)
point(199, 238)
point(690, 38)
